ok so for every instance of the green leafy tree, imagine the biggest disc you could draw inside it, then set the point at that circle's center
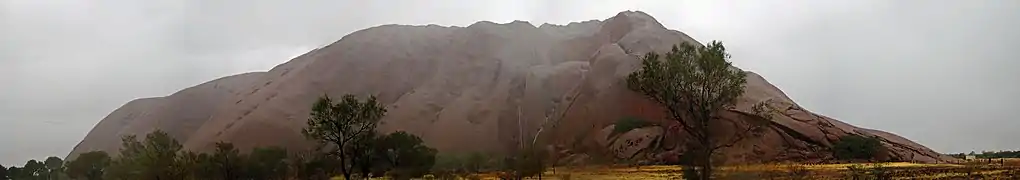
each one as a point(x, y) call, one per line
point(449, 165)
point(316, 166)
point(526, 162)
point(227, 161)
point(345, 125)
point(155, 158)
point(54, 167)
point(856, 147)
point(695, 84)
point(14, 172)
point(407, 154)
point(3, 172)
point(191, 165)
point(268, 163)
point(365, 156)
point(90, 165)
point(33, 170)
point(476, 162)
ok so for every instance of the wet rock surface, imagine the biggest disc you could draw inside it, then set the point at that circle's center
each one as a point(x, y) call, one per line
point(487, 87)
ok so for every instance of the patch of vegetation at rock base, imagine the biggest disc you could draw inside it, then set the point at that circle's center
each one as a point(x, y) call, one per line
point(856, 147)
point(629, 123)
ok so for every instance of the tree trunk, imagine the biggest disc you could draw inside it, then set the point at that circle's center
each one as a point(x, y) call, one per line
point(706, 171)
point(343, 166)
point(706, 163)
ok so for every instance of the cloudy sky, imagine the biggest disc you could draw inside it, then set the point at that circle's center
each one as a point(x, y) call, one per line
point(942, 73)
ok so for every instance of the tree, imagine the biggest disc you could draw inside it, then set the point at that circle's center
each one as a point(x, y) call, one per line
point(90, 165)
point(54, 167)
point(156, 158)
point(191, 165)
point(343, 125)
point(526, 162)
point(32, 170)
point(227, 161)
point(14, 172)
point(695, 84)
point(268, 163)
point(3, 172)
point(856, 147)
point(365, 156)
point(407, 154)
point(475, 162)
point(315, 165)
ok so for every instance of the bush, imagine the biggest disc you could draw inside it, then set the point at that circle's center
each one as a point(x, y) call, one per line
point(629, 123)
point(527, 162)
point(797, 172)
point(406, 155)
point(856, 147)
point(875, 171)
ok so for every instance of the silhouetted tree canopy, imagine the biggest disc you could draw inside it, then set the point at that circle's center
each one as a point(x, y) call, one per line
point(90, 165)
point(856, 147)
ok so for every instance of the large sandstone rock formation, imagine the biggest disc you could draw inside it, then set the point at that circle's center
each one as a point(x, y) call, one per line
point(485, 87)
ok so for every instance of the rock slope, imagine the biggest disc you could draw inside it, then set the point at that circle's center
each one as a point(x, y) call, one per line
point(485, 87)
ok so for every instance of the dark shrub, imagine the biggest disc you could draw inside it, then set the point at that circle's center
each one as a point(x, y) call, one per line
point(856, 147)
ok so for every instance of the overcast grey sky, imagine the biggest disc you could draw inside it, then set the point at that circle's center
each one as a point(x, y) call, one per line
point(942, 73)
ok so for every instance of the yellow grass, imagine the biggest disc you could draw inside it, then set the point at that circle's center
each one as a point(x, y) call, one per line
point(900, 170)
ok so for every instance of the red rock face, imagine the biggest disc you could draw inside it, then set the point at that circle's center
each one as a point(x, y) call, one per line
point(179, 114)
point(486, 87)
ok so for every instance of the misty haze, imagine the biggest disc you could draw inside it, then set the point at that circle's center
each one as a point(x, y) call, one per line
point(113, 89)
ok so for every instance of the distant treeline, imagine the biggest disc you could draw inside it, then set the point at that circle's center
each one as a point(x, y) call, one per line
point(989, 154)
point(348, 146)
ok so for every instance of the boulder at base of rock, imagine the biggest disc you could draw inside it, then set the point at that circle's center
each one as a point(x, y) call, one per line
point(634, 141)
point(605, 136)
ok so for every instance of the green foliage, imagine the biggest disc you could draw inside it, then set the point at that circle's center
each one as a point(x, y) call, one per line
point(406, 154)
point(450, 162)
point(345, 130)
point(13, 172)
point(316, 165)
point(51, 168)
point(192, 165)
point(227, 162)
point(367, 156)
point(856, 147)
point(32, 170)
point(54, 167)
point(478, 162)
point(527, 162)
point(629, 123)
point(346, 124)
point(989, 154)
point(90, 165)
point(155, 158)
point(694, 83)
point(268, 163)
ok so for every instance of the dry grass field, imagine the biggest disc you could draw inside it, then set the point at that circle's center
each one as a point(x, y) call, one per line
point(795, 171)
point(978, 169)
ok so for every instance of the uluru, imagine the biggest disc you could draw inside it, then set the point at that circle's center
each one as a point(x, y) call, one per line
point(485, 87)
